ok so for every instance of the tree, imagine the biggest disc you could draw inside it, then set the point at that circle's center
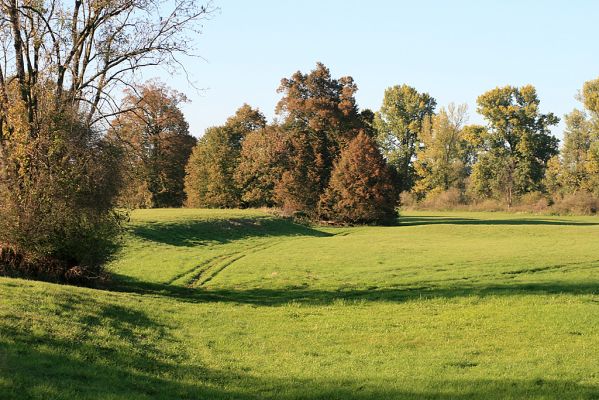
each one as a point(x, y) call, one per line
point(156, 146)
point(321, 116)
point(578, 167)
point(575, 152)
point(261, 165)
point(59, 65)
point(305, 174)
point(398, 123)
point(518, 144)
point(443, 156)
point(210, 179)
point(361, 189)
point(590, 98)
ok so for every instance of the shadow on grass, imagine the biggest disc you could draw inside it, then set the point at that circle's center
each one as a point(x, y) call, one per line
point(277, 297)
point(194, 233)
point(446, 220)
point(107, 350)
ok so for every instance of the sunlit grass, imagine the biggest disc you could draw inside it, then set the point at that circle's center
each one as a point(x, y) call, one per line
point(242, 305)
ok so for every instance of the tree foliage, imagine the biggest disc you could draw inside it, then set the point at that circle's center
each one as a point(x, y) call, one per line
point(156, 145)
point(361, 188)
point(442, 160)
point(211, 171)
point(399, 123)
point(56, 195)
point(59, 63)
point(320, 116)
point(517, 146)
point(261, 165)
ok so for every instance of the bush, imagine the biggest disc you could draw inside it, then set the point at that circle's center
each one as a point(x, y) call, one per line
point(408, 200)
point(578, 203)
point(443, 199)
point(533, 202)
point(56, 200)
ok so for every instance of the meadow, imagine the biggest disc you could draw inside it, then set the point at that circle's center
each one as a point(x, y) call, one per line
point(240, 304)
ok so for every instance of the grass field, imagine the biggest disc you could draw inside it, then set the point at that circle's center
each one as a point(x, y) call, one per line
point(242, 305)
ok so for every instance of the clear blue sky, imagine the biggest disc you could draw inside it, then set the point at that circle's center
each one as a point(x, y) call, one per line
point(454, 50)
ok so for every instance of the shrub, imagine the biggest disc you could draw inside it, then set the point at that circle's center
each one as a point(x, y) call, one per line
point(443, 199)
point(578, 203)
point(534, 202)
point(490, 205)
point(56, 200)
point(408, 200)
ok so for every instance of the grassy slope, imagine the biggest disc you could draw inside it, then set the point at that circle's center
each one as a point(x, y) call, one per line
point(238, 304)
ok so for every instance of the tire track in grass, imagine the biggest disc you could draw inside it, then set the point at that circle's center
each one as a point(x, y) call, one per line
point(193, 273)
point(207, 274)
point(195, 268)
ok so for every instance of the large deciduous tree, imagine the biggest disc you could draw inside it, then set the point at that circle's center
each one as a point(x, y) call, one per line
point(577, 167)
point(59, 63)
point(320, 116)
point(156, 144)
point(261, 165)
point(442, 159)
point(517, 146)
point(398, 124)
point(210, 179)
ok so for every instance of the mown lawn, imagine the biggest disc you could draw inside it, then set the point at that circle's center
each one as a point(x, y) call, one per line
point(212, 304)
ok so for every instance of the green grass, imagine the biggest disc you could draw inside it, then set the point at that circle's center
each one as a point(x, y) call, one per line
point(242, 305)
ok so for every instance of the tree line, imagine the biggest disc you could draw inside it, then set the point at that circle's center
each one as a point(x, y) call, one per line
point(328, 160)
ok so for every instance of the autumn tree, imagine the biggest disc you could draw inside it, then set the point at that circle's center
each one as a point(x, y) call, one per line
point(261, 165)
point(320, 115)
point(305, 173)
point(155, 141)
point(398, 124)
point(210, 179)
point(60, 63)
point(361, 189)
point(56, 194)
point(442, 159)
point(517, 146)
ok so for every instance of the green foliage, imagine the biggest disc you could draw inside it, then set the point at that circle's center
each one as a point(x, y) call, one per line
point(292, 312)
point(361, 187)
point(443, 157)
point(210, 179)
point(518, 144)
point(398, 124)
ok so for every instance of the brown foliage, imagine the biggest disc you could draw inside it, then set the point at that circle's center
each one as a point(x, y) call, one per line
point(321, 117)
point(577, 203)
point(361, 188)
point(156, 145)
point(305, 176)
point(56, 197)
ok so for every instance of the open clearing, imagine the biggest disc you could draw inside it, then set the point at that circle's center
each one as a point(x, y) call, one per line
point(212, 304)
